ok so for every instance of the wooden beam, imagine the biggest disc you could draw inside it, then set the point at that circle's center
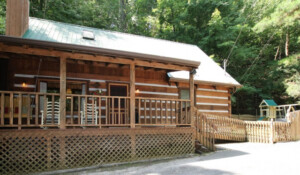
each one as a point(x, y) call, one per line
point(192, 98)
point(160, 65)
point(4, 56)
point(63, 90)
point(149, 68)
point(113, 65)
point(124, 66)
point(132, 95)
point(81, 62)
point(88, 57)
point(139, 68)
point(95, 63)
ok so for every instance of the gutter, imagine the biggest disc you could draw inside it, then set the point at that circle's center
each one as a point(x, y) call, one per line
point(206, 82)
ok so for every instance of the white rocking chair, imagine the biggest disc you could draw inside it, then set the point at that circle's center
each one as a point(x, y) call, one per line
point(87, 114)
point(56, 112)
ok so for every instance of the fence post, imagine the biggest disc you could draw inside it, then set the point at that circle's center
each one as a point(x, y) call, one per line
point(271, 132)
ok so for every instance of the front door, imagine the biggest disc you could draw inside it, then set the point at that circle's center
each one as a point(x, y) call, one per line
point(118, 106)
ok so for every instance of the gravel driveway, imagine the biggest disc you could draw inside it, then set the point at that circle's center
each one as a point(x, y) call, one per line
point(236, 158)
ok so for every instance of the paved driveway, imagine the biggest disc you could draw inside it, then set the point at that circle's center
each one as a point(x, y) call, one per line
point(236, 158)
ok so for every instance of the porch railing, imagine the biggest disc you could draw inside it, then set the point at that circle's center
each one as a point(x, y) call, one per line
point(92, 110)
point(27, 109)
point(156, 111)
point(32, 109)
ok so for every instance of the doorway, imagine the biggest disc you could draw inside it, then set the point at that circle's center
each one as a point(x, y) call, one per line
point(118, 106)
point(3, 74)
point(116, 89)
point(75, 87)
point(119, 90)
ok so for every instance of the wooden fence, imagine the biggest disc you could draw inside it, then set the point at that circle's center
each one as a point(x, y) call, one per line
point(228, 128)
point(211, 127)
point(295, 125)
point(245, 117)
point(281, 132)
point(259, 131)
point(205, 131)
point(270, 132)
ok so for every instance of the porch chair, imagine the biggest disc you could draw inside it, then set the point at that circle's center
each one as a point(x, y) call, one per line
point(87, 114)
point(56, 112)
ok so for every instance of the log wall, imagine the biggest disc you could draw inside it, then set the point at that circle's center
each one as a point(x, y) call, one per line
point(151, 83)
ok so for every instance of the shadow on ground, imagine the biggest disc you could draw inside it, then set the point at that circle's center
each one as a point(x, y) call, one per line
point(190, 165)
point(155, 170)
point(223, 153)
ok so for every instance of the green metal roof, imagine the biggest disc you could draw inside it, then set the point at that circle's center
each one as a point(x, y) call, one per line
point(270, 102)
point(161, 50)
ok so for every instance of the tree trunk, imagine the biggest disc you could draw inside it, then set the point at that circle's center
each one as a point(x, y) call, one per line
point(41, 4)
point(277, 52)
point(122, 15)
point(287, 44)
point(45, 8)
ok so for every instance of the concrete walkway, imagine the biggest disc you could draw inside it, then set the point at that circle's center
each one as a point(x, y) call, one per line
point(237, 158)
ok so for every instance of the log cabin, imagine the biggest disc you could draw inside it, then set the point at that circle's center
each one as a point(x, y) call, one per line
point(73, 96)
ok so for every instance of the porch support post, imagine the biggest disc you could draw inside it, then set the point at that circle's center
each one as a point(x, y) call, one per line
point(192, 98)
point(132, 95)
point(63, 90)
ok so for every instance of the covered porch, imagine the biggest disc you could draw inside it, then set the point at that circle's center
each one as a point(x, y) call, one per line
point(86, 107)
point(62, 107)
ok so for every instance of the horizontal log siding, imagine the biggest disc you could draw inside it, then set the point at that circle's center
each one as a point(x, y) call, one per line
point(150, 82)
point(213, 100)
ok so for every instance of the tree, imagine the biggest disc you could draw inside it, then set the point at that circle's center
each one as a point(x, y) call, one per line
point(2, 17)
point(284, 20)
point(254, 36)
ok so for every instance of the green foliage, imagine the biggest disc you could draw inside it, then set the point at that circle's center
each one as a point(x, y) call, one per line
point(2, 17)
point(248, 33)
point(293, 85)
point(92, 13)
point(247, 99)
point(290, 75)
point(285, 14)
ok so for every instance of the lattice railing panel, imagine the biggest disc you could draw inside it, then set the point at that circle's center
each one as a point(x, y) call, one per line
point(54, 153)
point(27, 151)
point(156, 145)
point(23, 154)
point(94, 150)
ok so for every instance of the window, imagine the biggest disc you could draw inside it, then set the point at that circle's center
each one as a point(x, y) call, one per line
point(185, 95)
point(53, 86)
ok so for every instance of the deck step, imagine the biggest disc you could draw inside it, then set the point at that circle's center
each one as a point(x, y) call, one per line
point(200, 148)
